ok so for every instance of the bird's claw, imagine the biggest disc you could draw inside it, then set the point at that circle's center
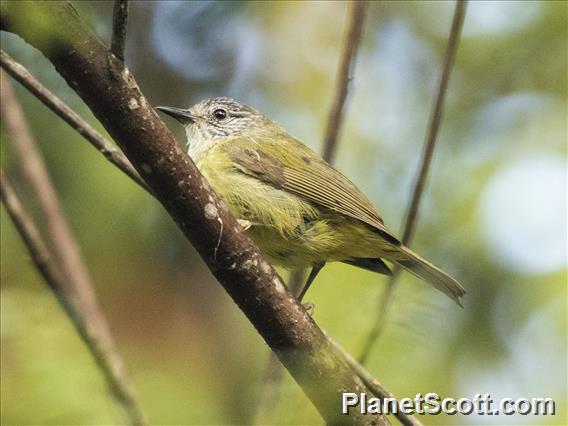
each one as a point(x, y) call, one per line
point(309, 307)
point(246, 224)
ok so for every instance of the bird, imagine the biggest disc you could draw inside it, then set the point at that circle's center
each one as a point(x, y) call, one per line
point(299, 210)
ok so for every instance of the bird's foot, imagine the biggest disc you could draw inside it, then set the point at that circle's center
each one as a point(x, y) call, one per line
point(246, 224)
point(310, 308)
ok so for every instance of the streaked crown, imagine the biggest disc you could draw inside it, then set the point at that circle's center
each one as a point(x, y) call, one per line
point(223, 117)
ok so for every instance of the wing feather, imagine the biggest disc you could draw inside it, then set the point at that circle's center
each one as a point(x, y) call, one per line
point(302, 172)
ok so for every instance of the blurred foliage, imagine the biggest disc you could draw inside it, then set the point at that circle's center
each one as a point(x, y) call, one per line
point(191, 354)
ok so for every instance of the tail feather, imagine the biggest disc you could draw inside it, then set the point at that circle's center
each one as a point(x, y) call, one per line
point(423, 269)
point(370, 264)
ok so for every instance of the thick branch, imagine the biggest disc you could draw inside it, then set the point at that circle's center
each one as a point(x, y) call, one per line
point(114, 97)
point(119, 27)
point(105, 147)
point(423, 169)
point(55, 278)
point(354, 28)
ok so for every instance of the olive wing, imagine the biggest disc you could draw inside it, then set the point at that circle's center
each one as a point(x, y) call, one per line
point(287, 164)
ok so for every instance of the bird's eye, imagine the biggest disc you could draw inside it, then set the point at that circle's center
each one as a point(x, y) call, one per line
point(220, 114)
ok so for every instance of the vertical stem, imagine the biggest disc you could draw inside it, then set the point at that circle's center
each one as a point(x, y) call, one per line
point(354, 19)
point(352, 38)
point(422, 175)
point(434, 123)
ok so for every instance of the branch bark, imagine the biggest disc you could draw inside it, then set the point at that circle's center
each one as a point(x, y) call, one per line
point(108, 362)
point(422, 175)
point(114, 97)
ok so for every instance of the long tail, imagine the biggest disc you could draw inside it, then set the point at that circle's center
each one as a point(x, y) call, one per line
point(420, 267)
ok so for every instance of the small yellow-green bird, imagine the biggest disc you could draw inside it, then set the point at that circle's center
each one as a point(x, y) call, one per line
point(299, 210)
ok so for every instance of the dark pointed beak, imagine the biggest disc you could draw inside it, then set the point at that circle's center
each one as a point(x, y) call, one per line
point(181, 115)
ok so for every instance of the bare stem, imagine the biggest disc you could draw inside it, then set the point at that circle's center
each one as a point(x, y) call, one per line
point(351, 40)
point(354, 20)
point(434, 122)
point(423, 169)
point(119, 27)
point(57, 282)
point(105, 147)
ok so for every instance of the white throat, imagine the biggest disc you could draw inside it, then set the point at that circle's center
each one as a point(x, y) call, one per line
point(197, 145)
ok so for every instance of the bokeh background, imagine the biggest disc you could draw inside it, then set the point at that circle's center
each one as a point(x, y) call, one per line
point(494, 212)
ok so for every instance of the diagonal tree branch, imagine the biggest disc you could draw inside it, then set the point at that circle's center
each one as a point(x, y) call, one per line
point(55, 278)
point(114, 97)
point(76, 284)
point(119, 27)
point(423, 169)
point(105, 147)
point(274, 370)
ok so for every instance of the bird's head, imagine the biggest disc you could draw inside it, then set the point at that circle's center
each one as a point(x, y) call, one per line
point(213, 120)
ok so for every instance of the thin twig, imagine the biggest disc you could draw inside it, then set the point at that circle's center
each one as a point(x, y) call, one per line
point(424, 167)
point(352, 37)
point(76, 284)
point(54, 277)
point(434, 122)
point(374, 385)
point(119, 27)
point(354, 20)
point(105, 147)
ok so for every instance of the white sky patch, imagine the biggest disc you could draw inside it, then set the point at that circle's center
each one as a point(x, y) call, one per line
point(205, 40)
point(499, 17)
point(523, 214)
